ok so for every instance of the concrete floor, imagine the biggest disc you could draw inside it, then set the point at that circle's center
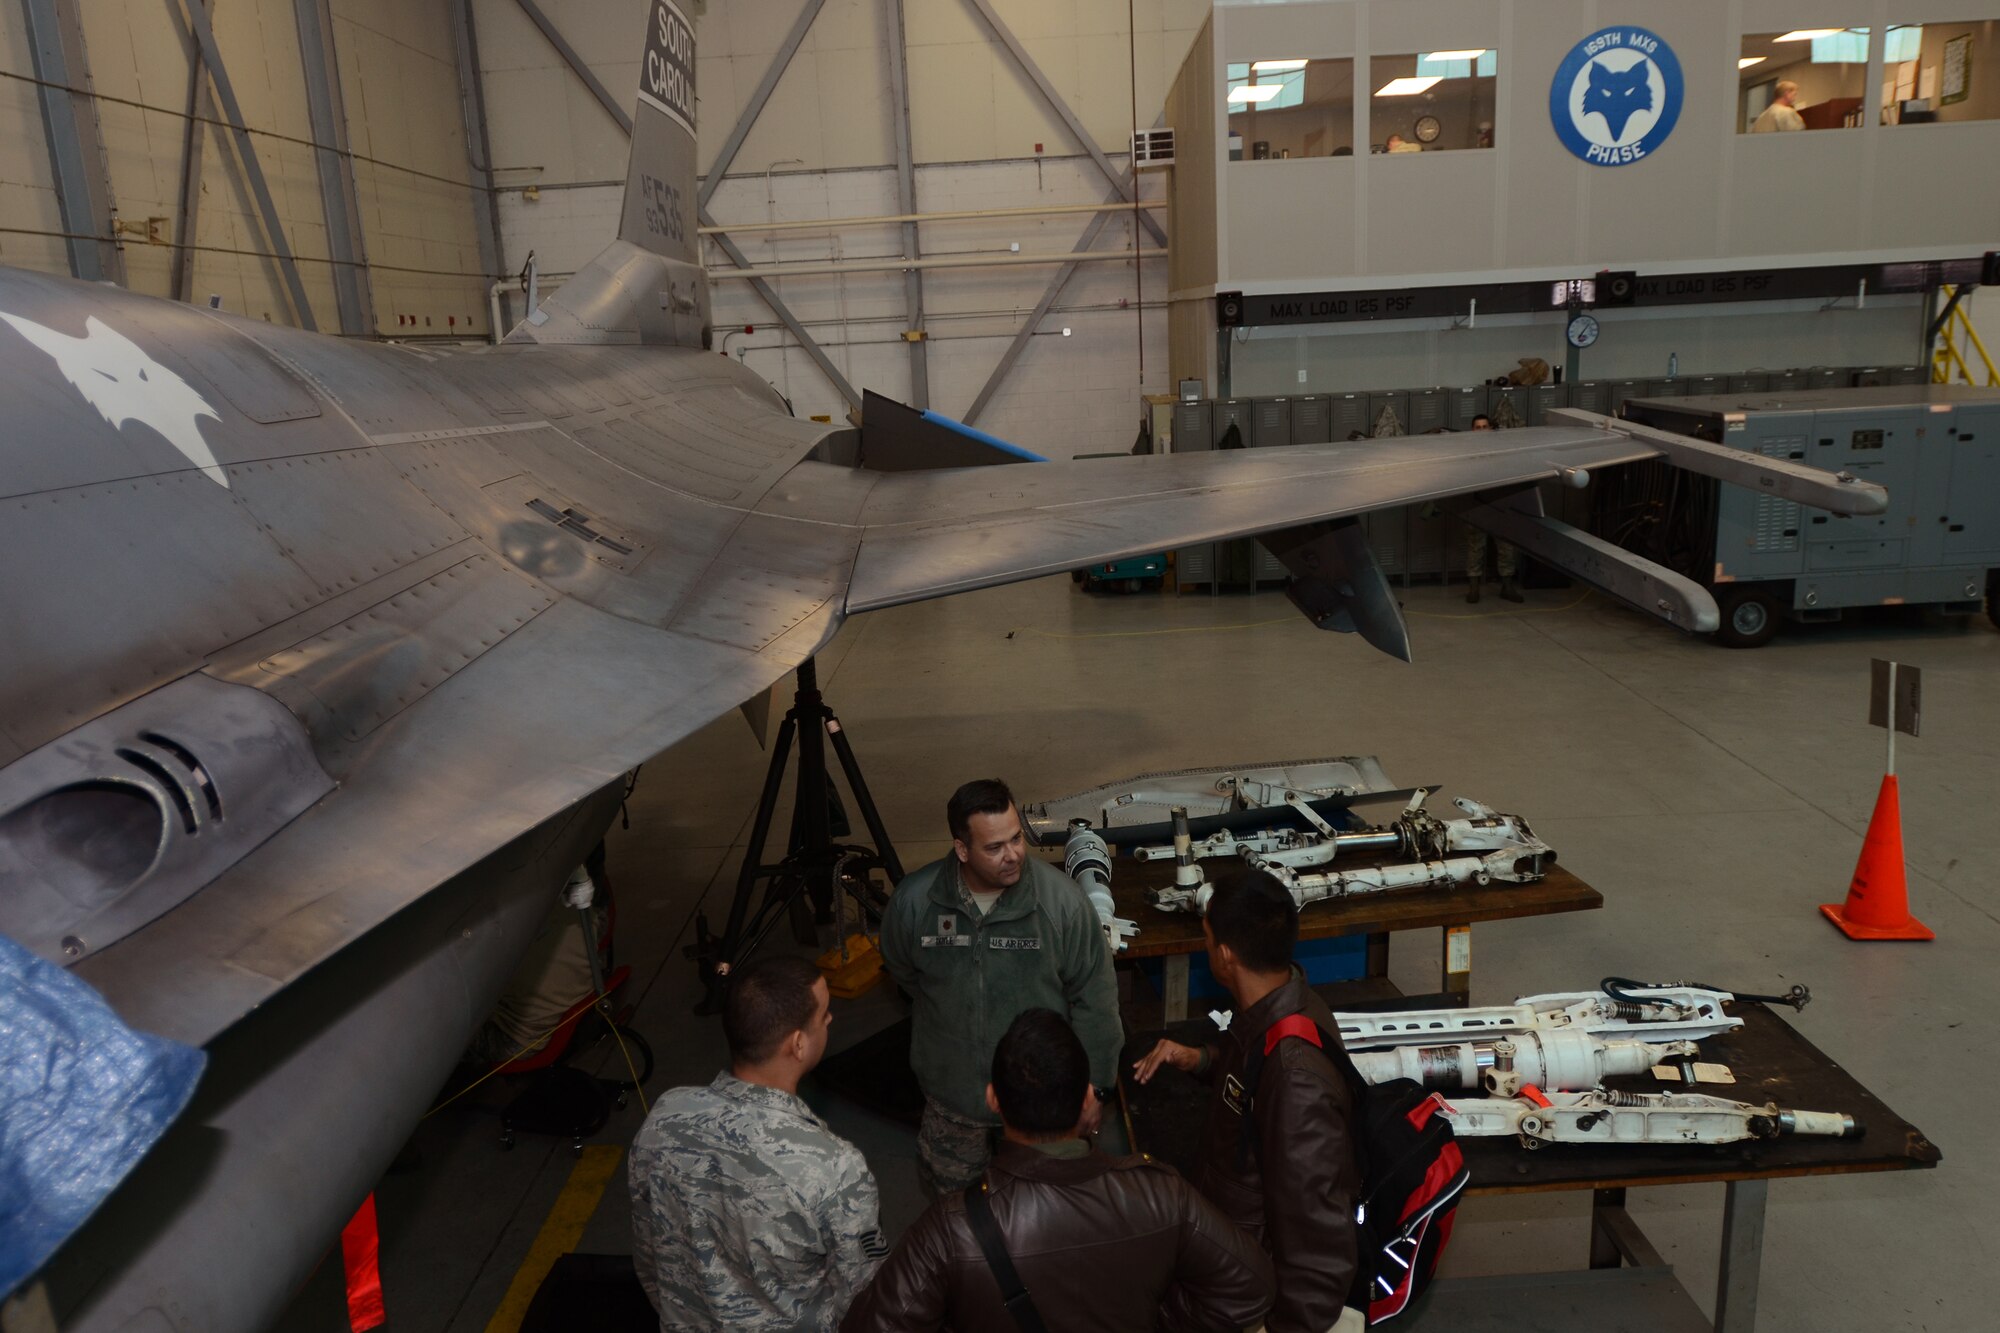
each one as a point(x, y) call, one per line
point(1714, 797)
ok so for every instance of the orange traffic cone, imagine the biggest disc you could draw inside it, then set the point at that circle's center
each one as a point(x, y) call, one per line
point(1878, 901)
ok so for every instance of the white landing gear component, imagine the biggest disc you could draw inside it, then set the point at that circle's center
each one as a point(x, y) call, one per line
point(1550, 1060)
point(1088, 861)
point(1479, 849)
point(1656, 1013)
point(1606, 1116)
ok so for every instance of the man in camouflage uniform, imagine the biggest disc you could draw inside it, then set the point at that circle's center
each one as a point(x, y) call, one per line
point(747, 1211)
point(977, 939)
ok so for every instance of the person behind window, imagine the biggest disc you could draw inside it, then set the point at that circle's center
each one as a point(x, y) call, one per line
point(1398, 144)
point(1779, 117)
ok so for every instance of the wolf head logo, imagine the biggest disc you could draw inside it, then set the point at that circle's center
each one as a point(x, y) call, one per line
point(1618, 94)
point(117, 377)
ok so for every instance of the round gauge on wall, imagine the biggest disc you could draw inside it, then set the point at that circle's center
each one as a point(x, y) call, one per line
point(1427, 129)
point(1582, 331)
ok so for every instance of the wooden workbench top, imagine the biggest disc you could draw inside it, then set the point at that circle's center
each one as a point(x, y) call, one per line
point(1163, 933)
point(1771, 1061)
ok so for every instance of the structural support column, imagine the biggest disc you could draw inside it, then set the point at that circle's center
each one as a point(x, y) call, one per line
point(478, 152)
point(1124, 181)
point(906, 192)
point(76, 152)
point(1042, 307)
point(338, 197)
point(187, 210)
point(253, 171)
point(779, 64)
point(614, 107)
point(786, 317)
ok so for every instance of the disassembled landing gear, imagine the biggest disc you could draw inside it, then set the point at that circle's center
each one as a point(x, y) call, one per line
point(1483, 847)
point(816, 870)
point(1604, 1115)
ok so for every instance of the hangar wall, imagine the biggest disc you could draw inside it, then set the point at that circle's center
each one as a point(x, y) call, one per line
point(823, 148)
point(398, 80)
point(1525, 208)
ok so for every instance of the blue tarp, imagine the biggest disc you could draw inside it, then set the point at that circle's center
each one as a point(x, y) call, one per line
point(82, 1099)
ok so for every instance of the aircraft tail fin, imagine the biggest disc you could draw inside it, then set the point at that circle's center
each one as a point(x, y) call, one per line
point(648, 286)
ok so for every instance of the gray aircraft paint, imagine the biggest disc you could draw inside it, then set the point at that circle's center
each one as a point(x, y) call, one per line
point(477, 585)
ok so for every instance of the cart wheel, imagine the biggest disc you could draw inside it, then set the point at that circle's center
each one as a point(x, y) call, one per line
point(1749, 618)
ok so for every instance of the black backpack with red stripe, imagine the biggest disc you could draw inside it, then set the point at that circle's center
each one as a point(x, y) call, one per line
point(1412, 1173)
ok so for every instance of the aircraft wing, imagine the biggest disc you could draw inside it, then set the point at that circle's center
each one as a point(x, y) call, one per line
point(927, 534)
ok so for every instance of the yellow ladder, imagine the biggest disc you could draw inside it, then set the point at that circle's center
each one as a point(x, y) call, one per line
point(1949, 359)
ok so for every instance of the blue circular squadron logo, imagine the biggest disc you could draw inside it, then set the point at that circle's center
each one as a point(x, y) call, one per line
point(1616, 96)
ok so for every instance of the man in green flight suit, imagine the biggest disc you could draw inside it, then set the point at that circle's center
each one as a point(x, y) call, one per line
point(977, 938)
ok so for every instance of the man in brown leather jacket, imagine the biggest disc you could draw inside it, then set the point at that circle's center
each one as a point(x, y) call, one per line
point(1105, 1244)
point(1293, 1183)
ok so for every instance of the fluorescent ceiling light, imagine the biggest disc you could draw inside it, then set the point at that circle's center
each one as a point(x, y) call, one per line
point(1454, 55)
point(1256, 92)
point(1275, 66)
point(1408, 87)
point(1747, 61)
point(1809, 34)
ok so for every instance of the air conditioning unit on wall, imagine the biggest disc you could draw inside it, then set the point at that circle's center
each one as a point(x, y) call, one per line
point(1152, 148)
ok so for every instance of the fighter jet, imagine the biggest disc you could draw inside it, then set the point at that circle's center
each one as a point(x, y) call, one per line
point(324, 659)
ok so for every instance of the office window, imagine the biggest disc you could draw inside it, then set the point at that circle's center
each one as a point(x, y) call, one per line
point(1432, 101)
point(1936, 73)
point(1803, 79)
point(1290, 107)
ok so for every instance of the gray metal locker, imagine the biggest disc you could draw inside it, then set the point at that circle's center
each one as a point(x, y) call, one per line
point(1267, 568)
point(1624, 389)
point(1909, 375)
point(1347, 415)
point(1394, 400)
point(1591, 396)
point(1191, 427)
point(1674, 387)
point(1829, 377)
point(1510, 394)
point(1699, 385)
point(1270, 422)
point(1462, 405)
point(1312, 422)
point(1429, 409)
point(1757, 382)
point(1544, 399)
point(1227, 412)
point(1195, 564)
point(1788, 381)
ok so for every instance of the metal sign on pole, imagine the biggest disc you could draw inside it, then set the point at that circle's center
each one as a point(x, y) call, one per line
point(1895, 694)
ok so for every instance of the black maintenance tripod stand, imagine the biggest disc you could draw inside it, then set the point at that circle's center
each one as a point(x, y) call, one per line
point(816, 869)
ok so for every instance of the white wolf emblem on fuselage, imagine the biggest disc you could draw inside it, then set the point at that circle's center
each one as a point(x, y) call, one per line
point(117, 377)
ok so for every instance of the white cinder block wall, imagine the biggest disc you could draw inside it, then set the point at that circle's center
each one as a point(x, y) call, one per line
point(824, 149)
point(399, 79)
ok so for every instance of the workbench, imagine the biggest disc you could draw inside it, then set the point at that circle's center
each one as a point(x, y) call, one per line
point(1627, 1284)
point(1175, 936)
